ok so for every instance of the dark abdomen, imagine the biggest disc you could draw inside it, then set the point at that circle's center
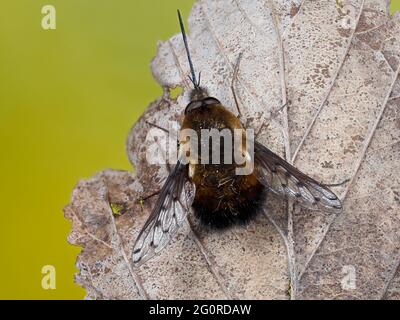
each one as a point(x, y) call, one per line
point(224, 198)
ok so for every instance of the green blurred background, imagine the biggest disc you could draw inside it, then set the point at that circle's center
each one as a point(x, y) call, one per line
point(68, 98)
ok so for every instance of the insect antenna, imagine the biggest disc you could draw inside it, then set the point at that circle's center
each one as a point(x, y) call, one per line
point(196, 83)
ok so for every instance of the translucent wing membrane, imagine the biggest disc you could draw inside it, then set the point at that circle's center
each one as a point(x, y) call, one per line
point(168, 215)
point(283, 179)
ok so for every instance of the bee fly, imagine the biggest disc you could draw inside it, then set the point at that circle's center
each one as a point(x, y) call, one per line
point(219, 197)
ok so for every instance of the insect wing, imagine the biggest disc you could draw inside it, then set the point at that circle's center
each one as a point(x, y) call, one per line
point(283, 179)
point(168, 215)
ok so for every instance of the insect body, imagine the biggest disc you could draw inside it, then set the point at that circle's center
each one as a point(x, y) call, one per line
point(222, 196)
point(218, 195)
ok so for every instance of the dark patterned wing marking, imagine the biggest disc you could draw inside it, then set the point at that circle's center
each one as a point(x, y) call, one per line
point(284, 179)
point(168, 215)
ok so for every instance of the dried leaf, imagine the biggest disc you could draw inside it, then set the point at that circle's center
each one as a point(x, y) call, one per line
point(336, 63)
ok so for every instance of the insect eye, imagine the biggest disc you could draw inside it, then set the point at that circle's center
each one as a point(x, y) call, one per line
point(211, 100)
point(193, 105)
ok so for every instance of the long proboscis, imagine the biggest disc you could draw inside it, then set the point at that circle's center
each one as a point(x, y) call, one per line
point(193, 77)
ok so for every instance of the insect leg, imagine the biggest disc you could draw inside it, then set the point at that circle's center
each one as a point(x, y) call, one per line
point(156, 126)
point(165, 130)
point(336, 184)
point(151, 195)
point(142, 200)
point(263, 124)
point(275, 113)
point(233, 82)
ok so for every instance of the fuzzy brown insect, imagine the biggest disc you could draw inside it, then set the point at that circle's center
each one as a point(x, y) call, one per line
point(218, 195)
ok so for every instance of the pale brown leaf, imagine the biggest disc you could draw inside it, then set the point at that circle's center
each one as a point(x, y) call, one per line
point(341, 121)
